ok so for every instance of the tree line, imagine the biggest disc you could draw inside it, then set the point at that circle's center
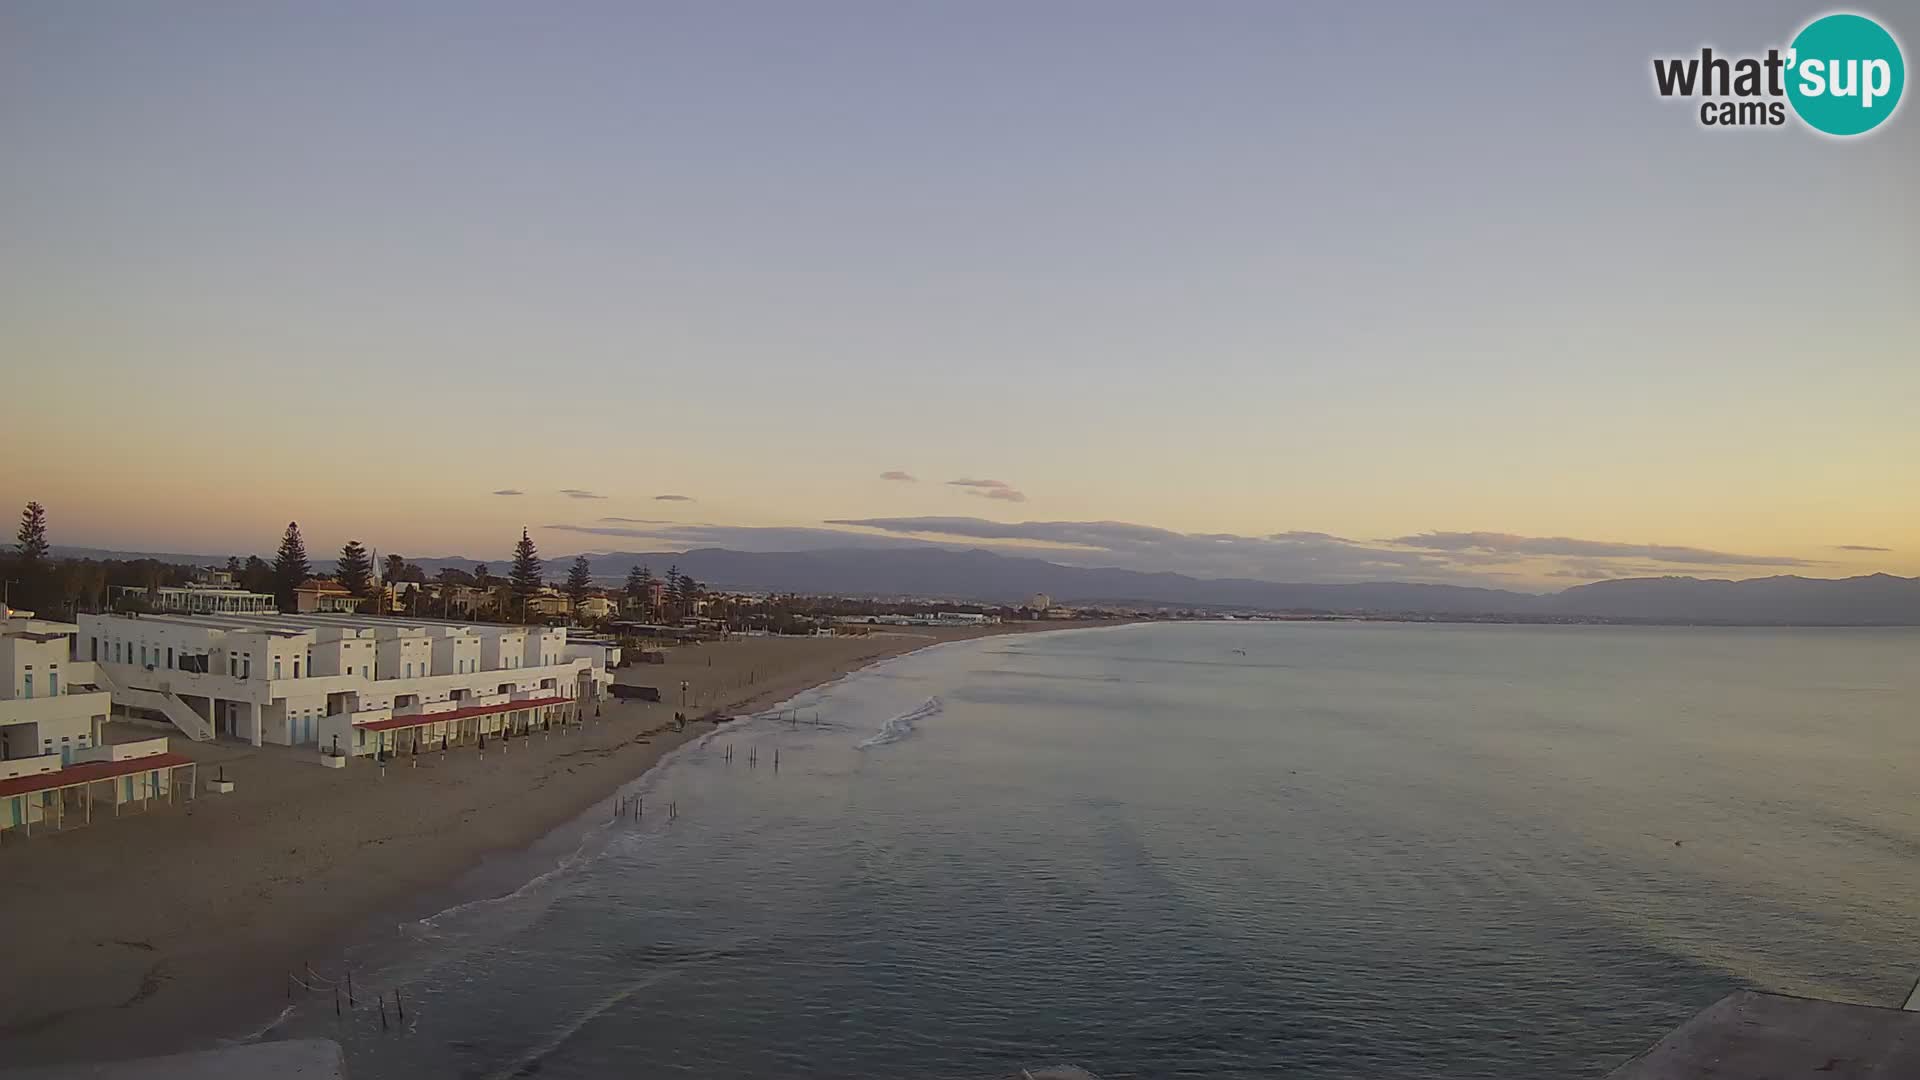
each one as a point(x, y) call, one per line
point(34, 579)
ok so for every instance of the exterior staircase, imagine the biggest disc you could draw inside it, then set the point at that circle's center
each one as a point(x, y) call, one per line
point(163, 701)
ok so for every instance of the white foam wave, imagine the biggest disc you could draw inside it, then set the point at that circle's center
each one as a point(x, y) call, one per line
point(901, 726)
point(255, 1036)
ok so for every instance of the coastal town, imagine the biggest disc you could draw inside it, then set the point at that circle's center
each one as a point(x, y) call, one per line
point(289, 750)
point(118, 666)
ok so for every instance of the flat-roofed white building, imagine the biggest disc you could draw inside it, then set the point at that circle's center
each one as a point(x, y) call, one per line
point(196, 599)
point(49, 706)
point(303, 679)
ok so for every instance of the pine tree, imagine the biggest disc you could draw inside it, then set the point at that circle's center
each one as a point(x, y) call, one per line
point(640, 587)
point(355, 570)
point(290, 569)
point(481, 578)
point(671, 594)
point(526, 567)
point(233, 565)
point(689, 592)
point(579, 580)
point(33, 547)
point(31, 569)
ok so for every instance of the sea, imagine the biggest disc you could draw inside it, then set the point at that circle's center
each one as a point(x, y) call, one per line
point(1234, 849)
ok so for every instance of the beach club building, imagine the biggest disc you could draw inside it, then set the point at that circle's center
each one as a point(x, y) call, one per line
point(49, 705)
point(355, 683)
point(52, 761)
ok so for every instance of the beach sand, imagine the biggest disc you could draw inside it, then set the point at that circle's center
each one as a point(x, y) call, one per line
point(168, 929)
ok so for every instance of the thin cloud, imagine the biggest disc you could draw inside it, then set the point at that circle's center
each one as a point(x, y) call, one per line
point(509, 491)
point(990, 489)
point(681, 536)
point(1858, 547)
point(896, 474)
point(1511, 545)
point(578, 493)
point(628, 521)
point(673, 498)
point(1302, 556)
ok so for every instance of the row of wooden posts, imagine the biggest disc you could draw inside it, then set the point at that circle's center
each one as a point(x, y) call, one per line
point(315, 981)
point(634, 807)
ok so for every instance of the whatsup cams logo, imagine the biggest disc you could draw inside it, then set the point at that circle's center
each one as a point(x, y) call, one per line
point(1841, 75)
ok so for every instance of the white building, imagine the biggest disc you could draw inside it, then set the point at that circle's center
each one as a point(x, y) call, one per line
point(46, 791)
point(311, 679)
point(197, 599)
point(49, 706)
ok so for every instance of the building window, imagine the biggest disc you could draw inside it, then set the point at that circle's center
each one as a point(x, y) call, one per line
point(296, 667)
point(169, 656)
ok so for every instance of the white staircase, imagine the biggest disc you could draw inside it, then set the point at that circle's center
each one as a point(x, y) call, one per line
point(163, 701)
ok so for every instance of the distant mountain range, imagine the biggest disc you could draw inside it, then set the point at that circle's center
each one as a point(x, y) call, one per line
point(984, 576)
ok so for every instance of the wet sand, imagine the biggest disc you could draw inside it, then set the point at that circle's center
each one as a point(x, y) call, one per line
point(168, 929)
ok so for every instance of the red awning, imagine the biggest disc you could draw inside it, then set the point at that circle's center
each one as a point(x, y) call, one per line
point(90, 772)
point(423, 719)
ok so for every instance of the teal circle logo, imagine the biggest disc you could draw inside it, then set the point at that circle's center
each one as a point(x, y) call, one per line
point(1845, 74)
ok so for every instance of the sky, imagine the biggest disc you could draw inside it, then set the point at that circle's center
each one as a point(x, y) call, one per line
point(1308, 292)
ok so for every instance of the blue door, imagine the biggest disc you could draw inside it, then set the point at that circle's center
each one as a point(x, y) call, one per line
point(66, 756)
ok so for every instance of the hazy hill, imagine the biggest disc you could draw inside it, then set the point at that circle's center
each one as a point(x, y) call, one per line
point(1873, 600)
point(945, 573)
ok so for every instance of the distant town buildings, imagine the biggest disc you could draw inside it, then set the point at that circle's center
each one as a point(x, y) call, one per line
point(1039, 602)
point(936, 618)
point(319, 596)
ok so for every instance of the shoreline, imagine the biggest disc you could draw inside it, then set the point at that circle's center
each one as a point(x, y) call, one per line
point(175, 930)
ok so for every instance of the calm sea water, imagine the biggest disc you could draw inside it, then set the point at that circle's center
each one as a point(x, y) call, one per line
point(1222, 850)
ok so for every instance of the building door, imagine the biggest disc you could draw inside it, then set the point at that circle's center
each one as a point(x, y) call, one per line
point(53, 684)
point(66, 755)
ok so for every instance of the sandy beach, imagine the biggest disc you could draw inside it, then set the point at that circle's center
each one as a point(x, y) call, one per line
point(171, 928)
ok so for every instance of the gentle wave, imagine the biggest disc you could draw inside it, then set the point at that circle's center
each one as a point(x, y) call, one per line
point(901, 726)
point(593, 842)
